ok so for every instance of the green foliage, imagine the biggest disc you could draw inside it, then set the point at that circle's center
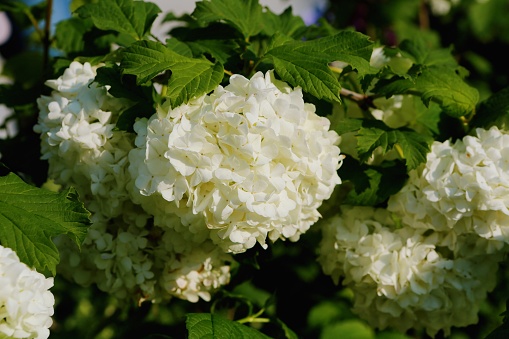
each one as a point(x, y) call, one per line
point(190, 77)
point(305, 63)
point(493, 111)
point(133, 18)
point(348, 329)
point(207, 325)
point(434, 76)
point(372, 185)
point(245, 16)
point(223, 37)
point(372, 134)
point(30, 217)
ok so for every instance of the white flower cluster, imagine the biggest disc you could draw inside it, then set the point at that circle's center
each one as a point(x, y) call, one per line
point(435, 266)
point(124, 253)
point(76, 125)
point(463, 188)
point(26, 303)
point(252, 158)
point(400, 277)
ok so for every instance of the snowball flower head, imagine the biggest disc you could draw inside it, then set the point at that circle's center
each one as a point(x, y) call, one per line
point(464, 186)
point(252, 158)
point(76, 123)
point(399, 277)
point(26, 304)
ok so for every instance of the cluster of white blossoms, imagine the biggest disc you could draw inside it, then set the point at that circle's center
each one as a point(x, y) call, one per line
point(26, 303)
point(124, 253)
point(462, 188)
point(400, 277)
point(216, 175)
point(434, 267)
point(252, 159)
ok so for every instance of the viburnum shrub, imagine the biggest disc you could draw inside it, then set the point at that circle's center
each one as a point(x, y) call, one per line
point(251, 176)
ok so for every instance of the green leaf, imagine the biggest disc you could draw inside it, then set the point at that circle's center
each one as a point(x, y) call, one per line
point(414, 146)
point(373, 133)
point(305, 63)
point(133, 18)
point(285, 23)
point(245, 16)
point(493, 111)
point(30, 217)
point(348, 329)
point(372, 185)
point(179, 47)
point(190, 77)
point(288, 332)
point(69, 34)
point(206, 325)
point(218, 40)
point(440, 84)
point(138, 99)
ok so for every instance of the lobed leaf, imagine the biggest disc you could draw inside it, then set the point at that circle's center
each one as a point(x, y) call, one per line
point(414, 146)
point(133, 18)
point(305, 63)
point(190, 77)
point(438, 83)
point(30, 217)
point(245, 16)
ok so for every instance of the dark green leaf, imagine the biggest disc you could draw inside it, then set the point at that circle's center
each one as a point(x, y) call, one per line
point(127, 118)
point(493, 111)
point(30, 217)
point(372, 185)
point(139, 97)
point(69, 34)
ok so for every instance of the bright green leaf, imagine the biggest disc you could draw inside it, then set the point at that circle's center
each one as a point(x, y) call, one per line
point(348, 329)
point(179, 47)
point(206, 325)
point(305, 63)
point(133, 18)
point(285, 23)
point(245, 16)
point(440, 84)
point(189, 78)
point(30, 217)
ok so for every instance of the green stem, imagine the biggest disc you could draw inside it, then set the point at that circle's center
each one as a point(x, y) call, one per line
point(254, 318)
point(34, 23)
